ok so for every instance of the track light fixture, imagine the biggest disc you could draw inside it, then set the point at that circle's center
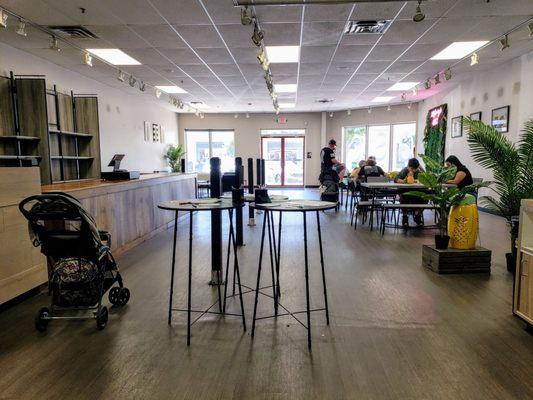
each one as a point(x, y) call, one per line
point(202, 116)
point(235, 116)
point(21, 29)
point(348, 112)
point(54, 44)
point(121, 76)
point(369, 110)
point(246, 16)
point(263, 60)
point(331, 115)
point(504, 42)
point(157, 93)
point(404, 96)
point(448, 74)
point(88, 59)
point(427, 84)
point(3, 18)
point(437, 79)
point(132, 81)
point(474, 59)
point(257, 36)
point(388, 108)
point(197, 113)
point(247, 115)
point(142, 86)
point(409, 105)
point(415, 91)
point(419, 15)
point(530, 27)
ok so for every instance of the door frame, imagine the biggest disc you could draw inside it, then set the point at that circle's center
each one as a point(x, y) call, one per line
point(282, 155)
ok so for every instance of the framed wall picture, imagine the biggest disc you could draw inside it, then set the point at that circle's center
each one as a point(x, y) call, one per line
point(500, 119)
point(476, 116)
point(457, 126)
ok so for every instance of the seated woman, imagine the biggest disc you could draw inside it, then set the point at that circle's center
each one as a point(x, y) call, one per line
point(412, 170)
point(463, 177)
point(354, 181)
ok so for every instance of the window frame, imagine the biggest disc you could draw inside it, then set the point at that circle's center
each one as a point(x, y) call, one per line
point(210, 139)
point(391, 138)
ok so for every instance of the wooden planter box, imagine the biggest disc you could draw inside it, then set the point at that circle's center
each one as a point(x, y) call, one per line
point(453, 261)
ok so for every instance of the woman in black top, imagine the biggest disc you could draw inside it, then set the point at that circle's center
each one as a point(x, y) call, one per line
point(463, 177)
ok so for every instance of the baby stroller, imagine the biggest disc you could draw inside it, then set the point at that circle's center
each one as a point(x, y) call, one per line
point(329, 186)
point(81, 268)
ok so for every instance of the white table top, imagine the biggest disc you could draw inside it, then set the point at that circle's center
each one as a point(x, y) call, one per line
point(394, 185)
point(297, 205)
point(197, 205)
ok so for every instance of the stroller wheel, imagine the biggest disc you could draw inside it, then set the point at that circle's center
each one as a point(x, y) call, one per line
point(40, 323)
point(114, 296)
point(101, 318)
point(124, 296)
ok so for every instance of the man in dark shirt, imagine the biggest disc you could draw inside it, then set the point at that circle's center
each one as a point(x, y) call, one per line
point(329, 162)
point(371, 169)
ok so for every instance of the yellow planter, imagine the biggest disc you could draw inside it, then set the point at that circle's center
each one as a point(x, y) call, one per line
point(463, 225)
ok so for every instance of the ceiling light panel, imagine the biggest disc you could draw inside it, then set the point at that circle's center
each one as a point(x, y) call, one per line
point(114, 56)
point(402, 86)
point(382, 99)
point(458, 50)
point(171, 89)
point(283, 54)
point(285, 87)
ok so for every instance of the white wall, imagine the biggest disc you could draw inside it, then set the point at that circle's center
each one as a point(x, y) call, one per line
point(248, 137)
point(509, 84)
point(122, 115)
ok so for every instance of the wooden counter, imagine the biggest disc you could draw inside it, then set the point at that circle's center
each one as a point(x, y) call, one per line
point(22, 266)
point(128, 209)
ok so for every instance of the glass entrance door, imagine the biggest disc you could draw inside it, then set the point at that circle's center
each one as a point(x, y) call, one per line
point(284, 160)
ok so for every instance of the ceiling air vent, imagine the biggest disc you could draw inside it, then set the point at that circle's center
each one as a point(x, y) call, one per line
point(365, 27)
point(73, 31)
point(324, 101)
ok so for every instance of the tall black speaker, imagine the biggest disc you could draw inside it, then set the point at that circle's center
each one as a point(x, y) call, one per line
point(239, 236)
point(216, 223)
point(183, 165)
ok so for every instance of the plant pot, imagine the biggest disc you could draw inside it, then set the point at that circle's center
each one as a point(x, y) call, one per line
point(511, 262)
point(441, 242)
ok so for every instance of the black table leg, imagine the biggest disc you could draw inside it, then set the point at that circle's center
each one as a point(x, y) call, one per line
point(259, 272)
point(322, 264)
point(173, 266)
point(270, 240)
point(189, 284)
point(236, 268)
point(307, 284)
point(227, 274)
point(279, 255)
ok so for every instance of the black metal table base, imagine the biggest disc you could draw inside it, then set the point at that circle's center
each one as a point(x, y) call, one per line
point(275, 252)
point(222, 305)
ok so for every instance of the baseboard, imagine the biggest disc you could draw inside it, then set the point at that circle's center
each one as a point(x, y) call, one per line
point(20, 298)
point(312, 186)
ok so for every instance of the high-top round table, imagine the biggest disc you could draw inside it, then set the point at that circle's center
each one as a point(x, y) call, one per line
point(303, 207)
point(192, 206)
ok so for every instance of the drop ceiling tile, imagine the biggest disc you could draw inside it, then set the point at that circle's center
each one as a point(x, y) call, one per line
point(180, 56)
point(154, 35)
point(149, 56)
point(313, 68)
point(403, 66)
point(451, 31)
point(237, 35)
point(316, 54)
point(327, 13)
point(494, 8)
point(362, 78)
point(359, 40)
point(279, 14)
point(197, 71)
point(376, 11)
point(284, 69)
point(223, 11)
point(281, 34)
point(322, 33)
point(215, 55)
point(386, 52)
point(225, 69)
point(405, 31)
point(435, 9)
point(246, 55)
point(186, 12)
point(342, 68)
point(351, 53)
point(130, 12)
point(199, 36)
point(423, 52)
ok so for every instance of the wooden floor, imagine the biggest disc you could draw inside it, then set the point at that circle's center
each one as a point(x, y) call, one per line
point(397, 330)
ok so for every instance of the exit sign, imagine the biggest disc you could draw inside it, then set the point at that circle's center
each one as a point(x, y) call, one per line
point(282, 120)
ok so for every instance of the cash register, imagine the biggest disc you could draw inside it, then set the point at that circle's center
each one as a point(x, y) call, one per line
point(119, 174)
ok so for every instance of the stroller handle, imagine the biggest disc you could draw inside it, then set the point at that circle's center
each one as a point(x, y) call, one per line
point(49, 195)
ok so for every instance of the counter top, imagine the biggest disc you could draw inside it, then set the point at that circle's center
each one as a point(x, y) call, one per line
point(85, 188)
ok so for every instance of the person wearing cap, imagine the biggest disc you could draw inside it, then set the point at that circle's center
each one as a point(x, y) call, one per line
point(329, 161)
point(370, 169)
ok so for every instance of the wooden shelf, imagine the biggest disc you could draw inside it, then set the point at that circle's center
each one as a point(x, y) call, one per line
point(71, 158)
point(68, 133)
point(15, 137)
point(15, 157)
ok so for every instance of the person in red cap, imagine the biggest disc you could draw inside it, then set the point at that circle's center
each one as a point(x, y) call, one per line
point(329, 162)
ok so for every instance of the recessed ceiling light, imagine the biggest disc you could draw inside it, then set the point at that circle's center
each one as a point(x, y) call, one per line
point(283, 54)
point(285, 88)
point(458, 50)
point(287, 105)
point(403, 86)
point(114, 56)
point(171, 89)
point(382, 99)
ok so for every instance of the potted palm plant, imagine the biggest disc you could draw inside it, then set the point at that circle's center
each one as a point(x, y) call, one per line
point(441, 195)
point(174, 154)
point(512, 168)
